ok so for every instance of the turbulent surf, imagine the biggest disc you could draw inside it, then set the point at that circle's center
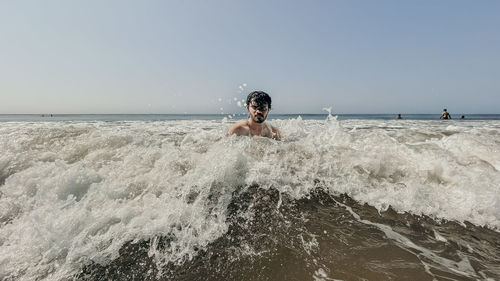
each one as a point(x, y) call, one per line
point(177, 200)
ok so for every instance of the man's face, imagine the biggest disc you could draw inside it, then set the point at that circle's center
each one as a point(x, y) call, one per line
point(258, 112)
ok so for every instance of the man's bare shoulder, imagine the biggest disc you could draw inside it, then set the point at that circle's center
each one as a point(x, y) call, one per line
point(239, 128)
point(240, 124)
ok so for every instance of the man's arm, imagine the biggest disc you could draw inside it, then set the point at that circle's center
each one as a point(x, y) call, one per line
point(231, 130)
point(276, 133)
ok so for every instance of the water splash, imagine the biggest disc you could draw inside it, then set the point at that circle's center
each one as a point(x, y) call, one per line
point(77, 191)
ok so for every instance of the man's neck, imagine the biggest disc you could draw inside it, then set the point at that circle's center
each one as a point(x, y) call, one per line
point(253, 124)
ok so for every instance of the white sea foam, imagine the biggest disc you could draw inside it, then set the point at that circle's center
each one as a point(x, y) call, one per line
point(439, 237)
point(321, 275)
point(72, 193)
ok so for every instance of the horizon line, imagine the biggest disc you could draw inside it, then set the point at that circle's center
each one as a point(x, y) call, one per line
point(223, 114)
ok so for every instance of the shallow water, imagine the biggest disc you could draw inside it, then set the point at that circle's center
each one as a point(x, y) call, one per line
point(318, 238)
point(335, 200)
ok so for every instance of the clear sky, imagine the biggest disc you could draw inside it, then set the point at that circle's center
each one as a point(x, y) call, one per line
point(197, 56)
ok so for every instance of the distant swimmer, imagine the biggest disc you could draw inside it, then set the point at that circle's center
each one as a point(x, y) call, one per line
point(463, 117)
point(258, 106)
point(399, 116)
point(445, 115)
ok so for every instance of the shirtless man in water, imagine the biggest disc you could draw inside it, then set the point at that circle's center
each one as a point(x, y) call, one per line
point(445, 115)
point(258, 106)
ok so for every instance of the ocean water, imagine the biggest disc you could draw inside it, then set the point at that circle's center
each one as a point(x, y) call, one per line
point(236, 116)
point(143, 197)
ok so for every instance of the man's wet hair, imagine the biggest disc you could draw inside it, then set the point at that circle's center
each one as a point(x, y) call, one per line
point(261, 98)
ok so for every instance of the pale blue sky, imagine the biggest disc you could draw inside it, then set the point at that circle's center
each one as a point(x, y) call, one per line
point(192, 56)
